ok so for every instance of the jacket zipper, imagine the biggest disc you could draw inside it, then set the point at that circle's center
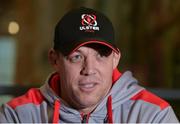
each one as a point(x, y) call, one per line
point(84, 119)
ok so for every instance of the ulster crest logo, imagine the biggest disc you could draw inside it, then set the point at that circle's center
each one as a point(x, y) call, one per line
point(89, 23)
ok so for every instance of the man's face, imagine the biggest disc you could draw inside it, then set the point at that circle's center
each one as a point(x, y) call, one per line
point(86, 76)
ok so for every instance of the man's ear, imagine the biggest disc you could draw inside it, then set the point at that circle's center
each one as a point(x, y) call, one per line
point(116, 58)
point(53, 57)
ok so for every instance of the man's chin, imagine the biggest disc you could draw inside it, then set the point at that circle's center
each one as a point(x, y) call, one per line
point(88, 102)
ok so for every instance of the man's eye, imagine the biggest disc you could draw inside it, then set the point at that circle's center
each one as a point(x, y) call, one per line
point(76, 58)
point(99, 55)
point(103, 53)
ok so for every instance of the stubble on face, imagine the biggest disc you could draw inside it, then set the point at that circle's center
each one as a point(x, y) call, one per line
point(84, 91)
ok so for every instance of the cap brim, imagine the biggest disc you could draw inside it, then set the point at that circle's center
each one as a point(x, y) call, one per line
point(98, 42)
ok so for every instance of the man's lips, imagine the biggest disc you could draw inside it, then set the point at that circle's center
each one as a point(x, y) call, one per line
point(87, 87)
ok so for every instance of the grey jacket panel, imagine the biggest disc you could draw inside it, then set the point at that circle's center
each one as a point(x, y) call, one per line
point(125, 109)
point(24, 113)
point(144, 112)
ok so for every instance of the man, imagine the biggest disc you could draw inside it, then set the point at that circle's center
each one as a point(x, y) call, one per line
point(86, 86)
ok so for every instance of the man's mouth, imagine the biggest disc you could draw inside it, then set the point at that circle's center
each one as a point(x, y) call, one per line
point(87, 87)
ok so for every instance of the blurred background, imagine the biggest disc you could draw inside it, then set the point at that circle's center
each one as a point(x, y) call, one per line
point(147, 33)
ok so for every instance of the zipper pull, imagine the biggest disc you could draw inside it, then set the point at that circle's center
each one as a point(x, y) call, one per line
point(84, 119)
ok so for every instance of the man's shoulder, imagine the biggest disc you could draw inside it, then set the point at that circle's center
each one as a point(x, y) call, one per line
point(151, 98)
point(33, 96)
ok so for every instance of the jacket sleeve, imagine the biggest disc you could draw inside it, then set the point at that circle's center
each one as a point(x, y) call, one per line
point(166, 116)
point(7, 114)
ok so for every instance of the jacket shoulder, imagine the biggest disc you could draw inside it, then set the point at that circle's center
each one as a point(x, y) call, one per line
point(33, 96)
point(149, 97)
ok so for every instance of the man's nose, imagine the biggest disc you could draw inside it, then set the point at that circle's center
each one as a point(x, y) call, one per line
point(88, 67)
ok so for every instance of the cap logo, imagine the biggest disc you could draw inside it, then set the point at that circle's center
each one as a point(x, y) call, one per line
point(89, 23)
